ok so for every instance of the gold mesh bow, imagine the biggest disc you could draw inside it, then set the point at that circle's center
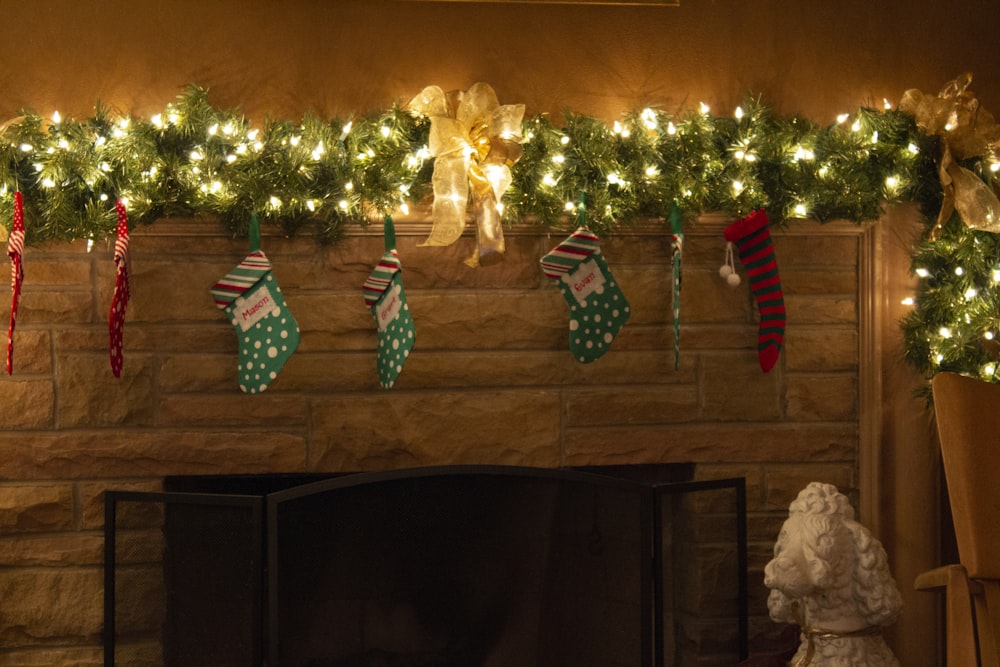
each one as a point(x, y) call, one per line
point(474, 141)
point(966, 131)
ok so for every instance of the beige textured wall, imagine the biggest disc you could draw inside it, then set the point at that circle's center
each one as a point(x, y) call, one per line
point(487, 340)
point(490, 381)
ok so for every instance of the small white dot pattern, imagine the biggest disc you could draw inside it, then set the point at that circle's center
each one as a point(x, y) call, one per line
point(267, 344)
point(397, 338)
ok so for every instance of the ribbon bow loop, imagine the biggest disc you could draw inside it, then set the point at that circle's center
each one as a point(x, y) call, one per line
point(474, 140)
point(966, 131)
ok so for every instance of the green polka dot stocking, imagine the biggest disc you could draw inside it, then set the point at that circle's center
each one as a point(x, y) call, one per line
point(597, 308)
point(267, 332)
point(384, 295)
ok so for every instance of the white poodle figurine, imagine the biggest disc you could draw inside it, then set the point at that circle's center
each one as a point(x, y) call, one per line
point(830, 576)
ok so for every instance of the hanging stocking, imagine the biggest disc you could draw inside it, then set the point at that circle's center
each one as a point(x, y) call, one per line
point(119, 302)
point(15, 250)
point(753, 242)
point(253, 302)
point(384, 295)
point(677, 248)
point(597, 308)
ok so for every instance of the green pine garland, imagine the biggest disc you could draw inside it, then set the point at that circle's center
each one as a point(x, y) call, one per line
point(196, 160)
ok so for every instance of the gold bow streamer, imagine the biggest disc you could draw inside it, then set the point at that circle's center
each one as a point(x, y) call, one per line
point(966, 131)
point(474, 141)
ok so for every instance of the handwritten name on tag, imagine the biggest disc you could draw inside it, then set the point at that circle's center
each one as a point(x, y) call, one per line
point(254, 307)
point(388, 307)
point(585, 280)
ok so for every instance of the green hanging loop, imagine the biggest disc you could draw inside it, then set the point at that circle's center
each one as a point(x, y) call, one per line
point(254, 233)
point(581, 210)
point(389, 233)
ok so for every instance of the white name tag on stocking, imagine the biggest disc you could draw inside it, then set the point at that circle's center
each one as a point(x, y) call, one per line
point(252, 308)
point(585, 280)
point(388, 308)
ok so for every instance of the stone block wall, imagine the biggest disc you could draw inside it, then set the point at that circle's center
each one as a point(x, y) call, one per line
point(490, 381)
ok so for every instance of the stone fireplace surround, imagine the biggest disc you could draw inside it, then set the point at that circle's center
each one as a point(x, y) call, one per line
point(491, 346)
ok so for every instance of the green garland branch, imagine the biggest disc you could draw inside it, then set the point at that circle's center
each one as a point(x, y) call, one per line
point(193, 159)
point(196, 160)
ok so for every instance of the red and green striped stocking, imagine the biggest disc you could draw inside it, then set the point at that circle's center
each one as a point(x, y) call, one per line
point(752, 238)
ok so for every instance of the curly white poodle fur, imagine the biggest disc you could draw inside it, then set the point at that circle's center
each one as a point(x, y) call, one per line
point(830, 576)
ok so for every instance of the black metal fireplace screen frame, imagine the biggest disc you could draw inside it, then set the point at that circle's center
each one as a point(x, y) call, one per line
point(259, 638)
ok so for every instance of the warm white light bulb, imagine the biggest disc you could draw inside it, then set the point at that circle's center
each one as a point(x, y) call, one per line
point(971, 293)
point(386, 131)
point(842, 117)
point(704, 108)
point(671, 128)
point(908, 301)
point(56, 118)
point(945, 332)
point(800, 210)
point(738, 186)
point(913, 148)
point(739, 113)
point(959, 271)
point(922, 272)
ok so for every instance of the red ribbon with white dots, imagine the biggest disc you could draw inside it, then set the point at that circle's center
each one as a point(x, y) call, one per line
point(15, 250)
point(116, 318)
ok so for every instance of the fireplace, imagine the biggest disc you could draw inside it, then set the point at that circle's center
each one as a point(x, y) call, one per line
point(457, 566)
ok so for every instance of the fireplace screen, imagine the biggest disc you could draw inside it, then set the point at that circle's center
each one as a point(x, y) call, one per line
point(459, 566)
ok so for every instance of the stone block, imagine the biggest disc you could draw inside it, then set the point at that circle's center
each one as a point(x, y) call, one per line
point(707, 299)
point(152, 453)
point(649, 404)
point(233, 409)
point(825, 397)
point(67, 306)
point(730, 442)
point(40, 605)
point(32, 352)
point(89, 395)
point(817, 248)
point(46, 271)
point(55, 550)
point(534, 319)
point(821, 309)
point(735, 389)
point(200, 372)
point(405, 429)
point(783, 483)
point(173, 291)
point(30, 508)
point(821, 348)
point(70, 656)
point(26, 403)
point(805, 281)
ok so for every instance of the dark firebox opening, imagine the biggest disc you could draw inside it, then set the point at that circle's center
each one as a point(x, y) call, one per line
point(446, 567)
